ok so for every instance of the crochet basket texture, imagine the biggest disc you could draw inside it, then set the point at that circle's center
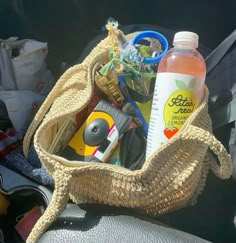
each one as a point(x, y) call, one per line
point(172, 178)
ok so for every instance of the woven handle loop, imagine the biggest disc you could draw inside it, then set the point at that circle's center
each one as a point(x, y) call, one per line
point(222, 170)
point(55, 92)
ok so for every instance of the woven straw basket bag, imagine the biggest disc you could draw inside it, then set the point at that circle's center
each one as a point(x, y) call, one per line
point(172, 178)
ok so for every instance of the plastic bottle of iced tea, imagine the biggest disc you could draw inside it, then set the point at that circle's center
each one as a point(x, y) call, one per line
point(179, 89)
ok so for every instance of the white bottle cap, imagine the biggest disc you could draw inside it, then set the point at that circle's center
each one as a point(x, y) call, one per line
point(186, 36)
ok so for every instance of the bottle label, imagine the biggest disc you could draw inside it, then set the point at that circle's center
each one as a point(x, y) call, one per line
point(175, 98)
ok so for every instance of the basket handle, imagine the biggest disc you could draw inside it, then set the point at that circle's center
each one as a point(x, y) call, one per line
point(55, 92)
point(222, 170)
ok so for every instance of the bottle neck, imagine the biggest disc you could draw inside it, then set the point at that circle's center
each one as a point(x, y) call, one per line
point(184, 45)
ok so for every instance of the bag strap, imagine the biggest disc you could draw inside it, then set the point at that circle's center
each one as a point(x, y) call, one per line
point(223, 170)
point(225, 101)
point(55, 92)
point(213, 59)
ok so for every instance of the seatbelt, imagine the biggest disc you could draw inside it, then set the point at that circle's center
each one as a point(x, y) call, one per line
point(221, 81)
point(216, 55)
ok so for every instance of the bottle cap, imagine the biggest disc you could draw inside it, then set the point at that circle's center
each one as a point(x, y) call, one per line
point(186, 36)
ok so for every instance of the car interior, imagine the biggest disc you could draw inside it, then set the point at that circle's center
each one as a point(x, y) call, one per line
point(71, 29)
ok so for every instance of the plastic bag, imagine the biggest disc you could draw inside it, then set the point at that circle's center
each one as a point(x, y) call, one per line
point(21, 106)
point(7, 79)
point(29, 63)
